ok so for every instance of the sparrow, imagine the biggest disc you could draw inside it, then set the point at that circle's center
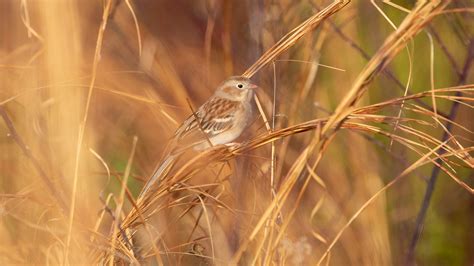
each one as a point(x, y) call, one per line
point(220, 120)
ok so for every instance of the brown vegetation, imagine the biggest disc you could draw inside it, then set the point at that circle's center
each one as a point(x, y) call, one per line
point(364, 110)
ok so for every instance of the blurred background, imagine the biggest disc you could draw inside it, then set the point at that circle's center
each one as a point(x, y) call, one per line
point(153, 57)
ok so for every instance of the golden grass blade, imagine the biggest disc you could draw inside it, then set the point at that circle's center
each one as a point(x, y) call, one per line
point(293, 189)
point(369, 201)
point(396, 41)
point(120, 199)
point(137, 27)
point(100, 36)
point(290, 39)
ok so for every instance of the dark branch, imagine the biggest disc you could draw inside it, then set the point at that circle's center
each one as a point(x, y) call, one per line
point(410, 259)
point(366, 56)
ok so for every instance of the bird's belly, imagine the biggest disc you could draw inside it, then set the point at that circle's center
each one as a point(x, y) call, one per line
point(228, 136)
point(231, 134)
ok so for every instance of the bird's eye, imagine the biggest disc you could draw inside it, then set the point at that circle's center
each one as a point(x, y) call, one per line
point(240, 86)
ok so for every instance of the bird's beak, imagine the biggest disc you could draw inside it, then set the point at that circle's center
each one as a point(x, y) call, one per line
point(253, 86)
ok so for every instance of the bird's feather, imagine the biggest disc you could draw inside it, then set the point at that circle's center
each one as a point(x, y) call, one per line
point(202, 125)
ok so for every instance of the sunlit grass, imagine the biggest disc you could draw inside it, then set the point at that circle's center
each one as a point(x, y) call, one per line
point(332, 171)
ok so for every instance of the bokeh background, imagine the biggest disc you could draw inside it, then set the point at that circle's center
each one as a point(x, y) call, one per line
point(155, 56)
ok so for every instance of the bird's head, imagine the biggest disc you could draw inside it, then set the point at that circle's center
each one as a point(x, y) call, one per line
point(236, 88)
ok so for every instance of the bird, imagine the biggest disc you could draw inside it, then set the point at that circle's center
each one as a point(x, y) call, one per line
point(220, 120)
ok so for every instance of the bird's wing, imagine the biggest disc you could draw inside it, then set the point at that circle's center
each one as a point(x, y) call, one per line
point(214, 117)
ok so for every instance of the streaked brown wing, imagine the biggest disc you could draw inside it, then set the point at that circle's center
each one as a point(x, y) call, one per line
point(212, 118)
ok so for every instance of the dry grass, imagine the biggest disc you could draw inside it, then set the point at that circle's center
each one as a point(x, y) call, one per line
point(331, 172)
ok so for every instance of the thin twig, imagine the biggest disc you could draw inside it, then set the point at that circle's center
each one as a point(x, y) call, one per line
point(411, 168)
point(410, 259)
point(27, 151)
point(120, 200)
point(389, 74)
point(291, 37)
point(82, 126)
point(445, 50)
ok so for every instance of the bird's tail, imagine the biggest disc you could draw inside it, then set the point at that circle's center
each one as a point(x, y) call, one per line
point(157, 175)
